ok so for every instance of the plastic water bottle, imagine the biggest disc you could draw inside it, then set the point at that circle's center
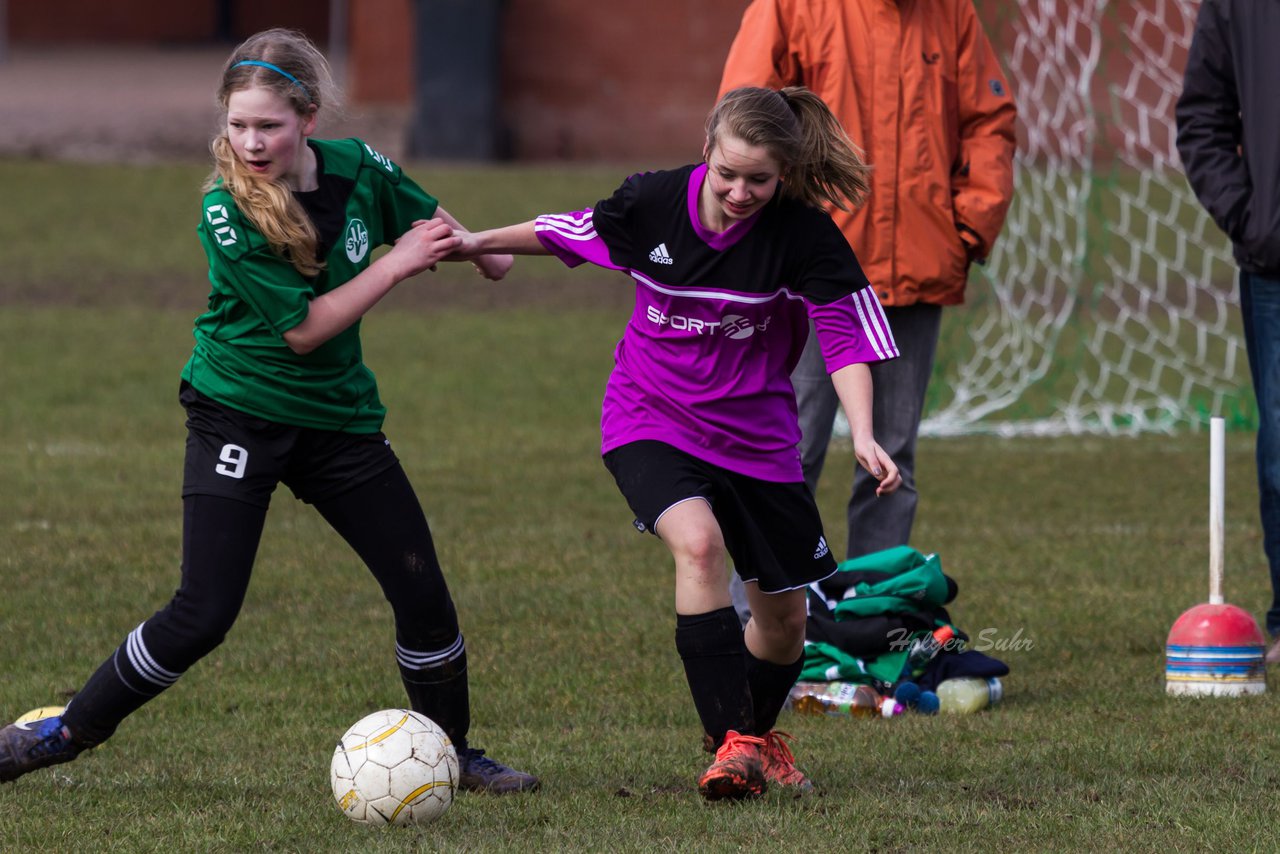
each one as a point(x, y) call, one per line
point(868, 702)
point(923, 649)
point(969, 694)
point(841, 698)
point(821, 698)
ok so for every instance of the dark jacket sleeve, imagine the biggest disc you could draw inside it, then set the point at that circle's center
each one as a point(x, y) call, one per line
point(1210, 131)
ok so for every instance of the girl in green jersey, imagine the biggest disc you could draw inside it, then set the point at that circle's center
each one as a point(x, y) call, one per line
point(276, 391)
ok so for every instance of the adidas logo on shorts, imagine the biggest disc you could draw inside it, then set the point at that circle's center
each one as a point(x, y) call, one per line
point(822, 549)
point(659, 255)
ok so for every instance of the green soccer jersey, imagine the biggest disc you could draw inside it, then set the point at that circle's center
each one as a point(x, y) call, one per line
point(241, 358)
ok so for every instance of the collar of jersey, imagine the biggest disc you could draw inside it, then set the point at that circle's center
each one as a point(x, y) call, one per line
point(721, 240)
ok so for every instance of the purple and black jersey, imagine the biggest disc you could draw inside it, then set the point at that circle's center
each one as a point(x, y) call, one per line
point(720, 318)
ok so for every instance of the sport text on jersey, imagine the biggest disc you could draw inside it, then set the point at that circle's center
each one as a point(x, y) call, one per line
point(731, 325)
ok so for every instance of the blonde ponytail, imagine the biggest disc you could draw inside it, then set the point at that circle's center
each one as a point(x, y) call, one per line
point(829, 168)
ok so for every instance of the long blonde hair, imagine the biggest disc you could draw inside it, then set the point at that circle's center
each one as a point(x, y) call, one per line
point(820, 164)
point(287, 63)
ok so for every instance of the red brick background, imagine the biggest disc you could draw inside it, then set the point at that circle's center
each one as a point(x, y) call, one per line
point(597, 80)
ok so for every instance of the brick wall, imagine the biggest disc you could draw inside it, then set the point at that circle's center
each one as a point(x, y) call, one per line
point(156, 22)
point(595, 80)
point(613, 80)
point(580, 80)
point(116, 22)
point(380, 56)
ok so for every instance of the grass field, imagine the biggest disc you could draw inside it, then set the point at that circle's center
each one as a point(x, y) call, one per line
point(1077, 553)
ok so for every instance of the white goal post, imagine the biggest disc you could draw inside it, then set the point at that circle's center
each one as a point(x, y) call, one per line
point(1109, 304)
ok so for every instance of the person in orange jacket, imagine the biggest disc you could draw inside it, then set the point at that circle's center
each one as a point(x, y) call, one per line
point(918, 85)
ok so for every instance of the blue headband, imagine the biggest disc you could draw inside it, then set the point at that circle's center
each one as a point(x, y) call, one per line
point(278, 70)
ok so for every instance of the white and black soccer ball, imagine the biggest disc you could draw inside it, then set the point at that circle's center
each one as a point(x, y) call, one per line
point(394, 766)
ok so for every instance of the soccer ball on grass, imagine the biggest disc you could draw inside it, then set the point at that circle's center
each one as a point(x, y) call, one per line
point(40, 714)
point(394, 766)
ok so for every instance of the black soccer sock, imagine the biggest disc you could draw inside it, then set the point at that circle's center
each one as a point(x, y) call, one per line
point(437, 686)
point(770, 684)
point(104, 702)
point(219, 540)
point(383, 521)
point(713, 651)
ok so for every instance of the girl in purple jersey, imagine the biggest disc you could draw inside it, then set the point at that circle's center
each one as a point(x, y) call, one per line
point(731, 258)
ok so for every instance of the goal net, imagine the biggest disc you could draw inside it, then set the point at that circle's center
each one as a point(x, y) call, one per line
point(1109, 304)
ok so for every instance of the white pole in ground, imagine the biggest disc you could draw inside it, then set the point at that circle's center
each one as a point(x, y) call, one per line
point(1217, 483)
point(1215, 649)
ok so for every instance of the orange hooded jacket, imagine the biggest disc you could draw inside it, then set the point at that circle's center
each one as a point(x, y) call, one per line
point(918, 87)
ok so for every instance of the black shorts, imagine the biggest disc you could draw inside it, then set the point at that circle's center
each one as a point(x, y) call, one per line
point(772, 530)
point(236, 455)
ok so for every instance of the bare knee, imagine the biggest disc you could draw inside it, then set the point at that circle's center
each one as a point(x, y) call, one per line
point(702, 573)
point(776, 629)
point(691, 532)
point(701, 553)
point(785, 627)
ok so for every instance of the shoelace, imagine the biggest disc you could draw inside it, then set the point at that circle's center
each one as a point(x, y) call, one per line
point(734, 739)
point(475, 756)
point(774, 741)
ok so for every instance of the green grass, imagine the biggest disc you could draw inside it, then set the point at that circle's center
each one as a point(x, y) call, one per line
point(95, 234)
point(1088, 549)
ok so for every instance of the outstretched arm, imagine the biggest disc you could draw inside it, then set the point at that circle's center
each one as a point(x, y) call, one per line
point(519, 239)
point(416, 250)
point(853, 387)
point(492, 267)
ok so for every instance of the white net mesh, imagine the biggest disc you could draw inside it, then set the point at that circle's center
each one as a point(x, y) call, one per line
point(1107, 303)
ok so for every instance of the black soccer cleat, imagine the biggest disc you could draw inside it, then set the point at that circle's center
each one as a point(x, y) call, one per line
point(30, 745)
point(479, 773)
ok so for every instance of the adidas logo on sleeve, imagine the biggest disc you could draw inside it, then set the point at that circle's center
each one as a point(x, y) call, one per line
point(659, 255)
